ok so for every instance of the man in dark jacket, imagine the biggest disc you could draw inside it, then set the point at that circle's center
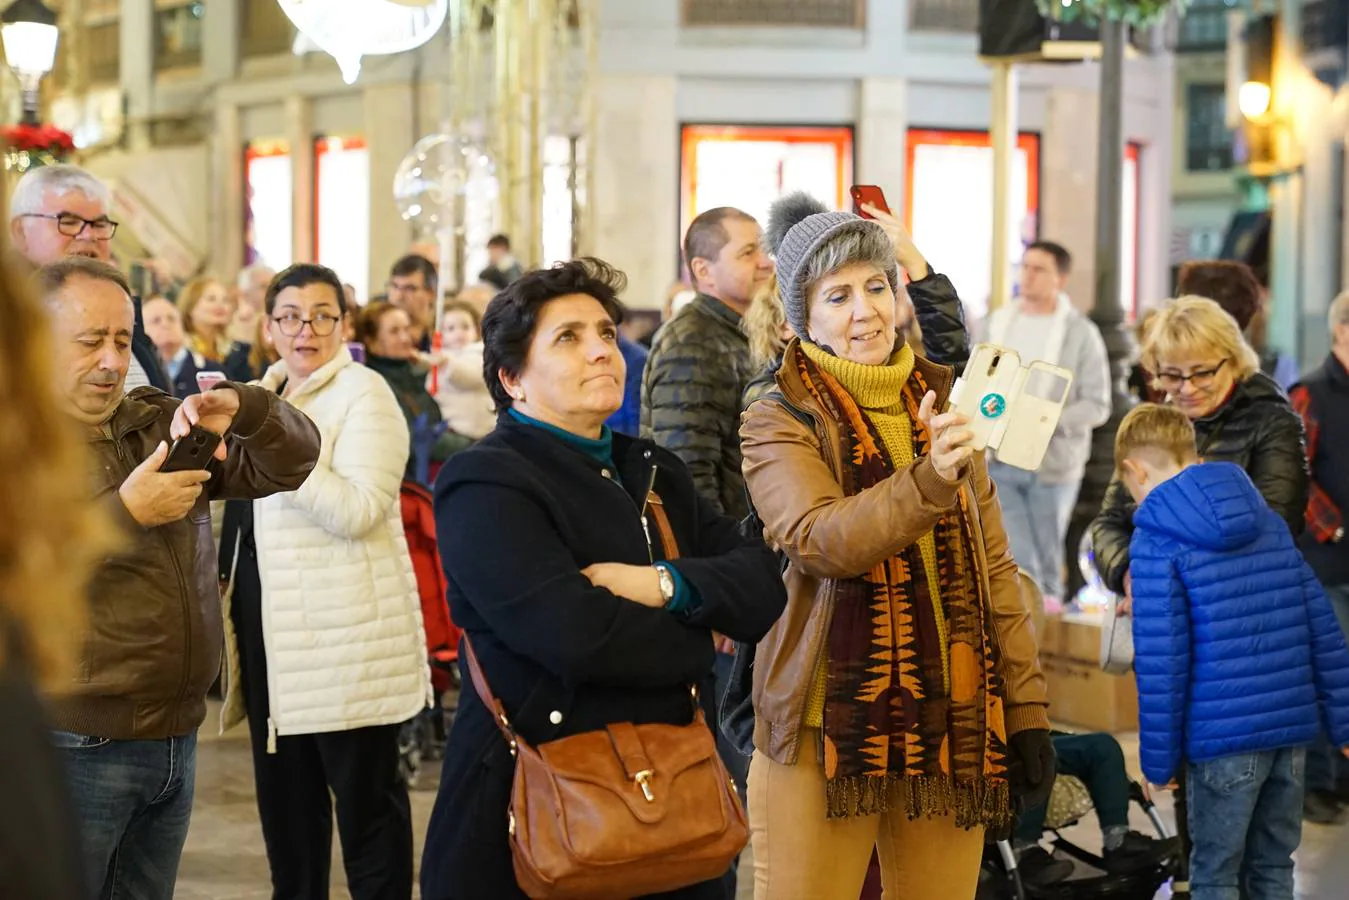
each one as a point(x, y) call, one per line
point(700, 364)
point(127, 727)
point(1322, 399)
point(59, 211)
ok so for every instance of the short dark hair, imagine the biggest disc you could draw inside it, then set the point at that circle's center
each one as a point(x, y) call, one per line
point(707, 234)
point(1230, 284)
point(508, 327)
point(411, 265)
point(52, 277)
point(302, 275)
point(1063, 260)
point(499, 240)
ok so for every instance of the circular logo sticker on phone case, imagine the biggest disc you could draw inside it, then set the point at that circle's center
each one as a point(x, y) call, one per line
point(993, 406)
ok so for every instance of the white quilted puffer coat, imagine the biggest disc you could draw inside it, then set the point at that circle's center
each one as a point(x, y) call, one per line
point(342, 622)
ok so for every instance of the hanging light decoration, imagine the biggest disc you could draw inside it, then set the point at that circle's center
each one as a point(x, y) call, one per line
point(348, 30)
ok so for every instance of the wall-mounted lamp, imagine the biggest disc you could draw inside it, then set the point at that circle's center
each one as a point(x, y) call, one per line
point(1253, 100)
point(1263, 127)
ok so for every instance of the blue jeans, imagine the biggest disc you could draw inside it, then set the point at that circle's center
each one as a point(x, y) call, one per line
point(1035, 515)
point(1325, 766)
point(1245, 822)
point(133, 800)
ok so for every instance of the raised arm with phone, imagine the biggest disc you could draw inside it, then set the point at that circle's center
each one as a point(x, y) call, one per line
point(153, 645)
point(881, 506)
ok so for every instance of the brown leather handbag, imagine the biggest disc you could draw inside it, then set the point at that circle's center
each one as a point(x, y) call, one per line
point(623, 812)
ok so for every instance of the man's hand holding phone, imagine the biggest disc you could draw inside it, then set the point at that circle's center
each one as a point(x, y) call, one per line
point(213, 410)
point(157, 498)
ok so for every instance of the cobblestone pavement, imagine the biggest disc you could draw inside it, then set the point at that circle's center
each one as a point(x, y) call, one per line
point(224, 857)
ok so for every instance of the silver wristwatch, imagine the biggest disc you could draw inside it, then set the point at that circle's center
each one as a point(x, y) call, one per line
point(667, 585)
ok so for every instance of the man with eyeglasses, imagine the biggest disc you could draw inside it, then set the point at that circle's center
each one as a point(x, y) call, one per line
point(412, 288)
point(62, 210)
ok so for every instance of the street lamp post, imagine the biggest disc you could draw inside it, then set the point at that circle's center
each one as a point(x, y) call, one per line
point(28, 30)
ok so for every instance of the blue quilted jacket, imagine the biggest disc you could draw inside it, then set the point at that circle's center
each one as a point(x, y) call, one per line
point(1236, 648)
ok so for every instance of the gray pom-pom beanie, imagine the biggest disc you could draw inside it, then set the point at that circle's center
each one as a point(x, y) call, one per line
point(798, 226)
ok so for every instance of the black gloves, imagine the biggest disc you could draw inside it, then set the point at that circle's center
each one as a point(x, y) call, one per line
point(1031, 765)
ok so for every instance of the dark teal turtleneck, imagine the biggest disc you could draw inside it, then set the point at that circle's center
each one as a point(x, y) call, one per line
point(600, 449)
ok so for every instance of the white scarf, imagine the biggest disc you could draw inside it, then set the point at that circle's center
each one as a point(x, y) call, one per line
point(1000, 322)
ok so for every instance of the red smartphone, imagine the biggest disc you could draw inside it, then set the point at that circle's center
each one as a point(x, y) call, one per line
point(869, 194)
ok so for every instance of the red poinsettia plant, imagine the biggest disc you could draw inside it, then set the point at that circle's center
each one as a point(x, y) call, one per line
point(37, 139)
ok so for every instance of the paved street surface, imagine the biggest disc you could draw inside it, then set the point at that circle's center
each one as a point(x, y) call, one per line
point(224, 859)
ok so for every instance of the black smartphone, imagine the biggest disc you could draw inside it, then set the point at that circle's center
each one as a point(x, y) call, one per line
point(193, 451)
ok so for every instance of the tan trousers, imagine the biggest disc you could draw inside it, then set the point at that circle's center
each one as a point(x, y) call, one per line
point(799, 854)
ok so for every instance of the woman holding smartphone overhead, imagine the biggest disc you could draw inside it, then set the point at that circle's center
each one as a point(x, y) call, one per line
point(898, 699)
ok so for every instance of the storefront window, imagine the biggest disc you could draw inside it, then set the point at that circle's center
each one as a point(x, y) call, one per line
point(749, 167)
point(948, 208)
point(268, 217)
point(342, 209)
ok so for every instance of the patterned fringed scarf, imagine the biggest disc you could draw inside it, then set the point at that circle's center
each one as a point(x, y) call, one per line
point(895, 715)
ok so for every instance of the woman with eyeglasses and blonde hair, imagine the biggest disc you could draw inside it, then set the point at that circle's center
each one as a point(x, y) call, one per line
point(1197, 355)
point(51, 535)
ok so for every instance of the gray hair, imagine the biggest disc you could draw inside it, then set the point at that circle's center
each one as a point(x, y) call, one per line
point(59, 180)
point(843, 248)
point(1339, 311)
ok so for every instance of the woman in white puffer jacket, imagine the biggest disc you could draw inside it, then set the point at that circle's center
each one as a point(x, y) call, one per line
point(325, 647)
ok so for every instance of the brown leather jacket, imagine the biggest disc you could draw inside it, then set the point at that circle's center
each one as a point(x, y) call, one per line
point(153, 644)
point(791, 450)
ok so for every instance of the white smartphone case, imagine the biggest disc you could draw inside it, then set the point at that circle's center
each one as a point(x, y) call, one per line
point(1013, 409)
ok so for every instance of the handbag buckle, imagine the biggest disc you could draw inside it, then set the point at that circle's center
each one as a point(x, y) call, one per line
point(510, 823)
point(643, 780)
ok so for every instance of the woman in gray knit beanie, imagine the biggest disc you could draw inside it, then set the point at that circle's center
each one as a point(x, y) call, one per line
point(898, 700)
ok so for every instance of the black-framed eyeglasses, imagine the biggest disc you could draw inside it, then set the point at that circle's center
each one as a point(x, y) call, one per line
point(291, 324)
point(1174, 381)
point(393, 287)
point(71, 225)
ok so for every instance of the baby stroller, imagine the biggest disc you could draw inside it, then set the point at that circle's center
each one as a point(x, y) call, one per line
point(423, 737)
point(1068, 802)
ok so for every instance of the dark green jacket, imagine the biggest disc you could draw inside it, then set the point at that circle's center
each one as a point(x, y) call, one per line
point(698, 368)
point(408, 384)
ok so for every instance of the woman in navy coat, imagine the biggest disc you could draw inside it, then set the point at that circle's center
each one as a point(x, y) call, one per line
point(556, 570)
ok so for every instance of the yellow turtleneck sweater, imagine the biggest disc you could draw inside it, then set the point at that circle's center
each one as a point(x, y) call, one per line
point(878, 391)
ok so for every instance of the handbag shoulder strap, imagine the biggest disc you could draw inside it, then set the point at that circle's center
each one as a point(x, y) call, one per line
point(667, 537)
point(485, 692)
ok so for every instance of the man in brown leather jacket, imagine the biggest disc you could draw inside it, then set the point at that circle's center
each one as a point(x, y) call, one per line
point(127, 726)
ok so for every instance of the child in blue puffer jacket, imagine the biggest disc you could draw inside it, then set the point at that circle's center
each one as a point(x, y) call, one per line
point(1239, 658)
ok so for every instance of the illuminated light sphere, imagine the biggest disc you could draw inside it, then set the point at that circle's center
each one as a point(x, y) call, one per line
point(443, 179)
point(348, 30)
point(1253, 99)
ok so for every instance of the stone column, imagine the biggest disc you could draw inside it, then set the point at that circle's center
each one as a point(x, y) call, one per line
point(882, 134)
point(136, 51)
point(636, 177)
